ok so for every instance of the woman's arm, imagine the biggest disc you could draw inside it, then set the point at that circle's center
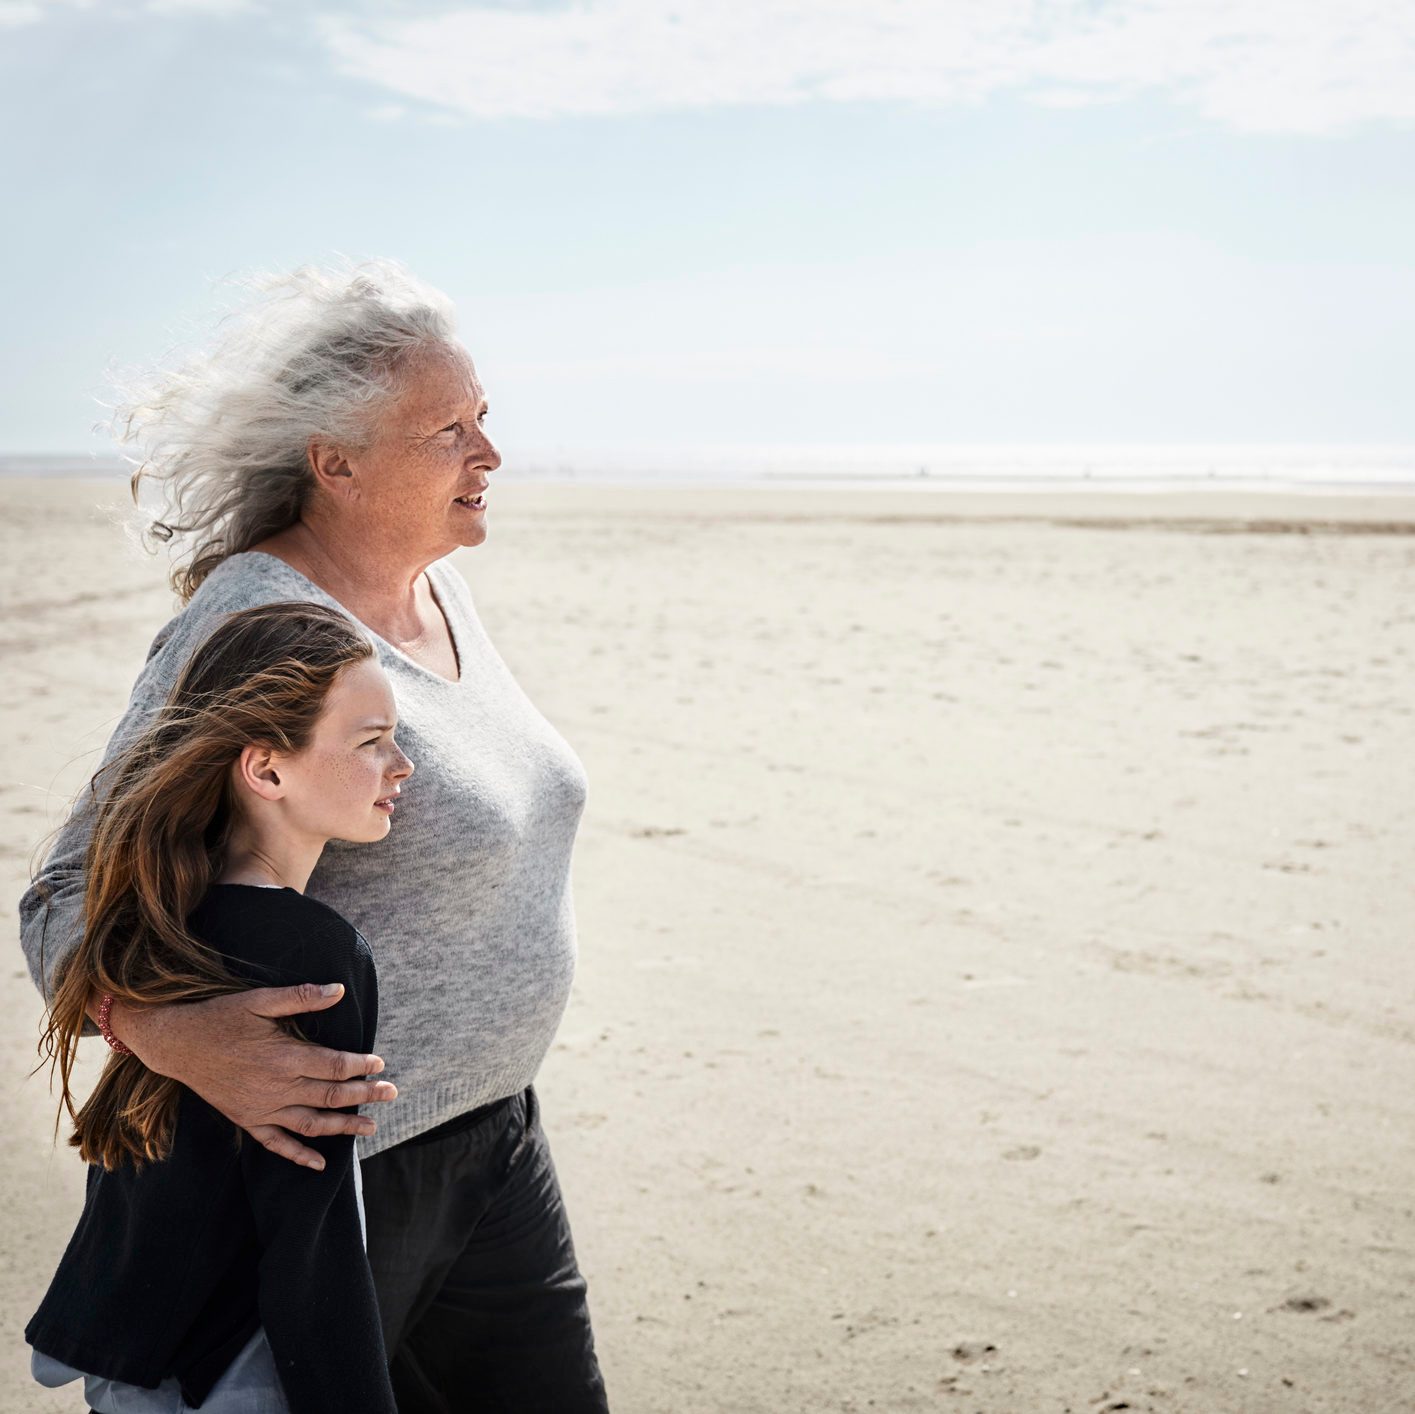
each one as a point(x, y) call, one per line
point(273, 1085)
point(228, 1049)
point(51, 909)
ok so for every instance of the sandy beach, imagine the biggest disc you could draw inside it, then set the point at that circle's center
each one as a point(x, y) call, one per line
point(995, 990)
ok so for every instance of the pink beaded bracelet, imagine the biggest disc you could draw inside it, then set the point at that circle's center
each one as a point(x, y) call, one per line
point(104, 1007)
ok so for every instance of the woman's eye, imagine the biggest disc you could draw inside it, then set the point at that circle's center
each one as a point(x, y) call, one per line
point(374, 742)
point(455, 427)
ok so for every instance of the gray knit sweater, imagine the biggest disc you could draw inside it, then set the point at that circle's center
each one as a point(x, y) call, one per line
point(466, 903)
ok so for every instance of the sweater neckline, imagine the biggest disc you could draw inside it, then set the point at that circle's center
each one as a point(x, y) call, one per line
point(458, 647)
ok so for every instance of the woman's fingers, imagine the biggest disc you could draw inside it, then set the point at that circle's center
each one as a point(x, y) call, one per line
point(284, 1144)
point(277, 1087)
point(316, 1062)
point(291, 1001)
point(334, 1095)
point(296, 1122)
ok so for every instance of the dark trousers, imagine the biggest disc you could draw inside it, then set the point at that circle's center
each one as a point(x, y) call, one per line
point(483, 1305)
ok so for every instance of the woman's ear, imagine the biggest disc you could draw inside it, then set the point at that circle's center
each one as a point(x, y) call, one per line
point(328, 465)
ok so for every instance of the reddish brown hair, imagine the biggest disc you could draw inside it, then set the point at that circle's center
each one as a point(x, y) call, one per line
point(158, 842)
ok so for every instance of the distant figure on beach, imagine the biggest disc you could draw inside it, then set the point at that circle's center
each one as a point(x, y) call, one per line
point(330, 447)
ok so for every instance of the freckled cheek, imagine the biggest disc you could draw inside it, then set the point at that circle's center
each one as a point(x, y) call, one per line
point(348, 774)
point(413, 483)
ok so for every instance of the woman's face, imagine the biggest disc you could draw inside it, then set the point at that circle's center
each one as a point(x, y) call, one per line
point(431, 449)
point(333, 788)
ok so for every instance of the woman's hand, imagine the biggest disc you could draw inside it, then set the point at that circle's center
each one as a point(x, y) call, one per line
point(260, 1077)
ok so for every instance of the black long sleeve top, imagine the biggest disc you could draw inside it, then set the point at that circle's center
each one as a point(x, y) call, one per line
point(172, 1268)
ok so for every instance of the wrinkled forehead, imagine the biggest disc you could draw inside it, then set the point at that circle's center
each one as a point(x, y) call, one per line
point(438, 381)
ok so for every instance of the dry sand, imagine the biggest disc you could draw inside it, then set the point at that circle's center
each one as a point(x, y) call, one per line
point(996, 980)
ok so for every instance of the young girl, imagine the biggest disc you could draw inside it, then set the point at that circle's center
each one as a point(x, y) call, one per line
point(207, 1272)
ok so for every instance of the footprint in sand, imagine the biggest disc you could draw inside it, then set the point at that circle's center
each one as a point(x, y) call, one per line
point(969, 1350)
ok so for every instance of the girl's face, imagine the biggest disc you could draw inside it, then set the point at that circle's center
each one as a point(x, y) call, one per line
point(343, 785)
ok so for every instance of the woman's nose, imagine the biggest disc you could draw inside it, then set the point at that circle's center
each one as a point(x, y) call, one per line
point(487, 454)
point(404, 768)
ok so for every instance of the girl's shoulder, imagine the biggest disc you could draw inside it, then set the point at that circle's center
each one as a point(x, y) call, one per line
point(278, 929)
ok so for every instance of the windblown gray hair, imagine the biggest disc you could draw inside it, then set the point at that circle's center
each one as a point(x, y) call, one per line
point(317, 352)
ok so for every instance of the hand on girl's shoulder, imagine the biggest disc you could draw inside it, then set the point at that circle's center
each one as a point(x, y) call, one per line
point(281, 937)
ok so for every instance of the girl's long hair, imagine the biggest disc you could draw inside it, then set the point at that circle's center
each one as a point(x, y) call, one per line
point(159, 840)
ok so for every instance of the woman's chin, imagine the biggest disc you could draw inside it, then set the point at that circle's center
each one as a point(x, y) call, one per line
point(470, 527)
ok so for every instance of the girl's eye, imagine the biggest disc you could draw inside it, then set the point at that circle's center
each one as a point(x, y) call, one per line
point(374, 742)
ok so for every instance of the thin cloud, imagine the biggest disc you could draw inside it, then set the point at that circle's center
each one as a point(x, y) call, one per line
point(1280, 66)
point(695, 367)
point(202, 7)
point(15, 13)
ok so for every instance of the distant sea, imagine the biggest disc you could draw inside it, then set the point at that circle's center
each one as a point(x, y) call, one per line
point(941, 467)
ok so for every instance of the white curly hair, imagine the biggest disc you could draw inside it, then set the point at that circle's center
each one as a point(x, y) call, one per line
point(318, 352)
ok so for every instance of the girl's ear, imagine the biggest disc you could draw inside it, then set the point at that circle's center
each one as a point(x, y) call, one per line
point(257, 770)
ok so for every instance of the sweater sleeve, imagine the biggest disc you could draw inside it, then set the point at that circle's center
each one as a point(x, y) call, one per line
point(51, 909)
point(316, 1294)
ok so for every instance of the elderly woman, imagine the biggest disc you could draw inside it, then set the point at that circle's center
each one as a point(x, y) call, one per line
point(331, 446)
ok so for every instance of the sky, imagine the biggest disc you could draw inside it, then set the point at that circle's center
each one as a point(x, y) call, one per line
point(745, 222)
